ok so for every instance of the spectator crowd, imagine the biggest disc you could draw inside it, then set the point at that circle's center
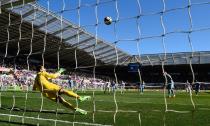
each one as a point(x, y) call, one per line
point(22, 79)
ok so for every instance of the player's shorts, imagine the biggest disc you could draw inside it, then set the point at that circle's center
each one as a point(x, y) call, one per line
point(51, 96)
point(55, 92)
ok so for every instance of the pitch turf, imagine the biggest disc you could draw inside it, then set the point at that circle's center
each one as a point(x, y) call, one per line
point(150, 105)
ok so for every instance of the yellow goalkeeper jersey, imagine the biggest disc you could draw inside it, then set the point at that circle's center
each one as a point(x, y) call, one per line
point(43, 84)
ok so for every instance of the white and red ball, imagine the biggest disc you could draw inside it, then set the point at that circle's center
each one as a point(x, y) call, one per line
point(107, 20)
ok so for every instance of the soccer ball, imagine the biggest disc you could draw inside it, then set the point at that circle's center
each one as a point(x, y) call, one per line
point(107, 20)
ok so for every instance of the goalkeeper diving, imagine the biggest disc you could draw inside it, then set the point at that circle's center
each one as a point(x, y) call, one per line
point(53, 91)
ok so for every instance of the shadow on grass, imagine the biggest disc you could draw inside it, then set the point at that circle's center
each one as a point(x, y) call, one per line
point(34, 110)
point(16, 123)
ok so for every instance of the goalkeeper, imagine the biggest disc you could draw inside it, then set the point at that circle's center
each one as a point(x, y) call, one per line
point(53, 91)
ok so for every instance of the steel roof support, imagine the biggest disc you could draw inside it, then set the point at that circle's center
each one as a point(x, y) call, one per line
point(110, 57)
point(87, 48)
point(73, 36)
point(61, 30)
point(46, 23)
point(115, 58)
point(101, 48)
point(29, 13)
point(120, 59)
point(82, 42)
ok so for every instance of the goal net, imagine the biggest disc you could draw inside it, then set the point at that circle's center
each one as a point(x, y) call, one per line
point(112, 50)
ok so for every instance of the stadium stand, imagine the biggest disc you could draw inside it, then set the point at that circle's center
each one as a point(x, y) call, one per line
point(31, 35)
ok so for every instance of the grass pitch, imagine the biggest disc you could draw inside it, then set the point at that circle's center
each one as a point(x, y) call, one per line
point(150, 107)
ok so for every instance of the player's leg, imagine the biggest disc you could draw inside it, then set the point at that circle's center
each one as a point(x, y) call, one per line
point(190, 90)
point(123, 88)
point(72, 94)
point(69, 105)
point(68, 93)
point(173, 93)
point(55, 97)
point(196, 91)
point(169, 93)
point(105, 89)
point(65, 103)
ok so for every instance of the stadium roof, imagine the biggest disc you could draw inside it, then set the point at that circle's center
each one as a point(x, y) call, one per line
point(65, 32)
point(9, 3)
point(171, 58)
point(47, 27)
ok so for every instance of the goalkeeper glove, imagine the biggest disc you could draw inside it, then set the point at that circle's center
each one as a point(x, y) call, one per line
point(61, 70)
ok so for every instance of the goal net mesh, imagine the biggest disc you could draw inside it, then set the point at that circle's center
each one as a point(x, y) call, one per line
point(73, 35)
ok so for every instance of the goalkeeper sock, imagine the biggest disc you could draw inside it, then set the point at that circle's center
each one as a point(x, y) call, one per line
point(81, 111)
